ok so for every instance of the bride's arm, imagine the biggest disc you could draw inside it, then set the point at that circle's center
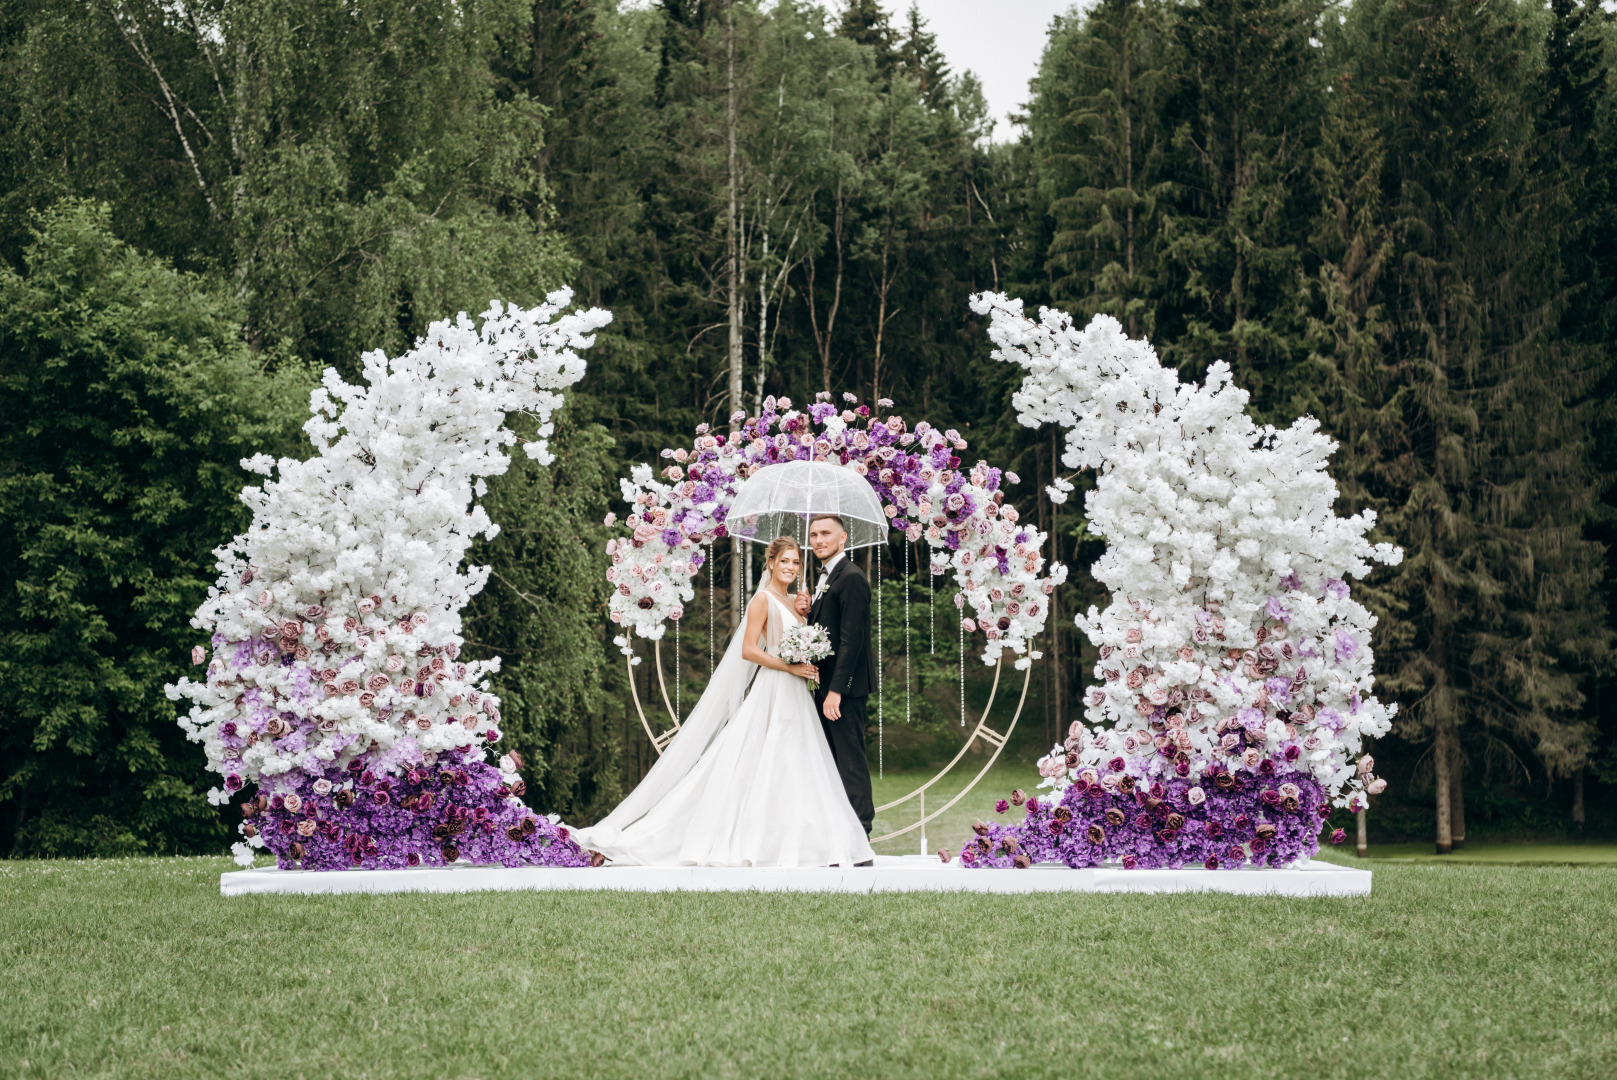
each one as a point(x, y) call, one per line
point(757, 620)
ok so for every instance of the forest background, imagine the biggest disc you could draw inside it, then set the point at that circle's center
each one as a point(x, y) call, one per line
point(1397, 215)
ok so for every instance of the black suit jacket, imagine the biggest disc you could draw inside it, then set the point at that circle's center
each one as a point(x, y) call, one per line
point(844, 610)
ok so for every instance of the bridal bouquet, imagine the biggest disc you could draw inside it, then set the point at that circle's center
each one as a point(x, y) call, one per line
point(805, 644)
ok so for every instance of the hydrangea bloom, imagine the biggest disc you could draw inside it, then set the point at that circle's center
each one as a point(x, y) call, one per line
point(927, 494)
point(1232, 656)
point(335, 621)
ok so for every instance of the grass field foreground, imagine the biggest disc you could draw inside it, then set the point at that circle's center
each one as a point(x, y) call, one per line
point(138, 968)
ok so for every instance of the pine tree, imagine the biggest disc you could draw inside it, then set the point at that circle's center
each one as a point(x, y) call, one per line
point(1479, 455)
point(1101, 145)
point(1245, 114)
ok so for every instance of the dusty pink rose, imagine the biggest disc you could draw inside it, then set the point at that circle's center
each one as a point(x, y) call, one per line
point(294, 803)
point(1251, 758)
point(393, 663)
point(367, 700)
point(322, 786)
point(1196, 796)
point(305, 828)
point(377, 683)
point(198, 654)
point(348, 686)
point(468, 721)
point(1053, 766)
point(423, 723)
point(1376, 786)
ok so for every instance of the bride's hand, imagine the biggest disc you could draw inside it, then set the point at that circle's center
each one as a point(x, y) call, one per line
point(805, 671)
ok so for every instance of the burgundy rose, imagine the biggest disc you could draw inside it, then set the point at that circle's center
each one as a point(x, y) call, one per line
point(1211, 863)
point(1117, 764)
point(233, 782)
point(1001, 806)
point(1293, 753)
point(1259, 846)
point(412, 859)
point(451, 853)
point(1338, 836)
point(1130, 862)
point(1323, 810)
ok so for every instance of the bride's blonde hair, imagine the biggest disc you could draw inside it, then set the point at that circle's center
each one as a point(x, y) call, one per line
point(778, 545)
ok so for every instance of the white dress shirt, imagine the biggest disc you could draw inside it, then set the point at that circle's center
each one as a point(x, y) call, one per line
point(825, 575)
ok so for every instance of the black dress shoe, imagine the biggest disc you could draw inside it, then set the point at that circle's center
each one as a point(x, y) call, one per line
point(867, 862)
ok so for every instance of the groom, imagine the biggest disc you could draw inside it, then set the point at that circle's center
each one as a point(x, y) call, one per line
point(841, 604)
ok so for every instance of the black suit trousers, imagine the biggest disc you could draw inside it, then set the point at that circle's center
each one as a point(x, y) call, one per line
point(847, 739)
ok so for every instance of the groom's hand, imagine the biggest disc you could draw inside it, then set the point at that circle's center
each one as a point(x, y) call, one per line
point(833, 706)
point(803, 603)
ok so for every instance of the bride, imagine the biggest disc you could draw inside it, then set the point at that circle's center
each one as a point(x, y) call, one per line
point(749, 780)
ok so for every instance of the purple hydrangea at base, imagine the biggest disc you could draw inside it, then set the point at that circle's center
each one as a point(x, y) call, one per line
point(458, 808)
point(1254, 821)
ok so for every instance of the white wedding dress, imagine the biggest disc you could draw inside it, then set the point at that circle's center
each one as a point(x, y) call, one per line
point(748, 781)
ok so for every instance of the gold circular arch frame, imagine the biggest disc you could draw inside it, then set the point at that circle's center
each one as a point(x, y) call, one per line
point(994, 739)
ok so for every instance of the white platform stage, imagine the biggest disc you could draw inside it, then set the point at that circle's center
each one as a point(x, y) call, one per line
point(907, 873)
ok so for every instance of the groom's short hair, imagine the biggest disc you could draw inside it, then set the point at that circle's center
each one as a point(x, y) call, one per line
point(843, 525)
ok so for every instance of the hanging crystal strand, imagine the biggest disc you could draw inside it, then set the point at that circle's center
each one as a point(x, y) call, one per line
point(962, 667)
point(906, 630)
point(932, 609)
point(880, 747)
point(711, 580)
point(676, 672)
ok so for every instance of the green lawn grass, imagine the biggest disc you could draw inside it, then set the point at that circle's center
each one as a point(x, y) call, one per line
point(951, 828)
point(1492, 854)
point(138, 968)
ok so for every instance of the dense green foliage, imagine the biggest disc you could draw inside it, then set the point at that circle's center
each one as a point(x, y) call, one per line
point(1399, 217)
point(114, 967)
point(128, 399)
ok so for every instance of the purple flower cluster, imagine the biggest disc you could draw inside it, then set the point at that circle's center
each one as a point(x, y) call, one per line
point(457, 809)
point(1235, 819)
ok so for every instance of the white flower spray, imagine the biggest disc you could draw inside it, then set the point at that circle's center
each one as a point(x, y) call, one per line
point(1231, 640)
point(335, 622)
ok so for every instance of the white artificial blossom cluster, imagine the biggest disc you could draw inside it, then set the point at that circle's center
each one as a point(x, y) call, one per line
point(961, 514)
point(1231, 641)
point(335, 621)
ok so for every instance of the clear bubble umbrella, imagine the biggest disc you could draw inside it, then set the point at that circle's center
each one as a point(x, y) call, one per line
point(779, 500)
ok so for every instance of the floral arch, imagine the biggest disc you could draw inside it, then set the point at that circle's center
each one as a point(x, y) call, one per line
point(959, 513)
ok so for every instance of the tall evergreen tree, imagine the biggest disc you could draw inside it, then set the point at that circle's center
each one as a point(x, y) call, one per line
point(1245, 113)
point(1100, 135)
